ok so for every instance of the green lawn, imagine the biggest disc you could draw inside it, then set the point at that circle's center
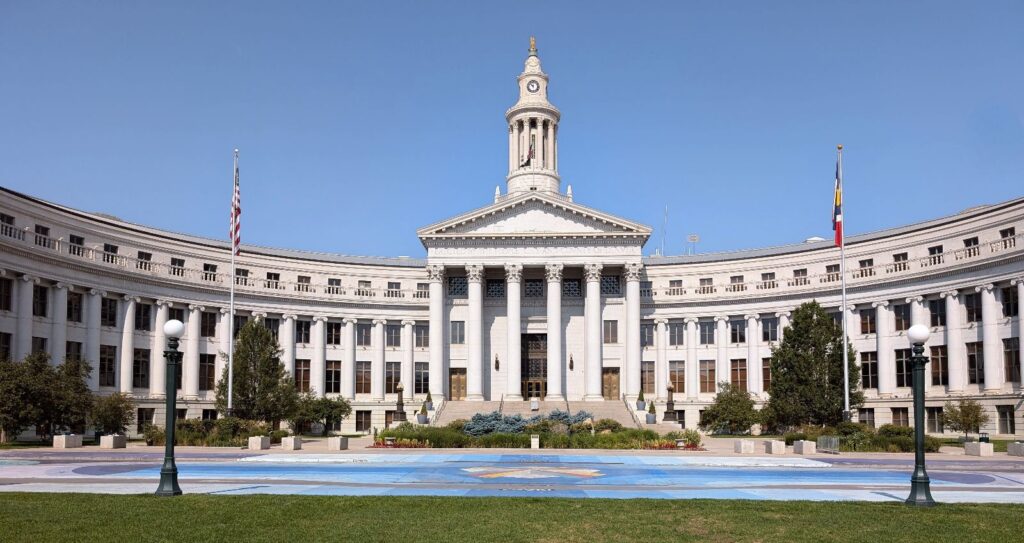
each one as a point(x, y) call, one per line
point(81, 517)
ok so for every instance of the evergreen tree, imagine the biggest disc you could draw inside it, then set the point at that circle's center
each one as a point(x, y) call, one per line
point(732, 412)
point(263, 390)
point(807, 372)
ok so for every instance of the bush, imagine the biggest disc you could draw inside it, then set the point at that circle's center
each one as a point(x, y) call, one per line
point(495, 422)
point(794, 436)
point(457, 424)
point(890, 430)
point(565, 418)
point(503, 441)
point(113, 414)
point(609, 425)
point(851, 428)
point(154, 435)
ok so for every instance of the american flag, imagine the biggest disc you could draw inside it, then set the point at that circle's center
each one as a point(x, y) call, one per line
point(837, 210)
point(235, 231)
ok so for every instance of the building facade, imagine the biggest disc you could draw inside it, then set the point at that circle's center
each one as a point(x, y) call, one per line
point(533, 295)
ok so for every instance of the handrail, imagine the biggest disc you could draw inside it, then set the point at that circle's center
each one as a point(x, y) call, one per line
point(636, 420)
point(501, 404)
point(437, 412)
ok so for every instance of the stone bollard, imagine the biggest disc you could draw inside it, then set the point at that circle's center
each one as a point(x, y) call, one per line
point(1015, 449)
point(293, 443)
point(338, 443)
point(775, 447)
point(743, 446)
point(805, 447)
point(113, 442)
point(67, 441)
point(976, 448)
point(534, 441)
point(259, 443)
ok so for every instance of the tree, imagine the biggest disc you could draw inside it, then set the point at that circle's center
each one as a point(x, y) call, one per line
point(14, 400)
point(73, 400)
point(324, 411)
point(263, 390)
point(38, 379)
point(807, 372)
point(113, 414)
point(964, 416)
point(733, 411)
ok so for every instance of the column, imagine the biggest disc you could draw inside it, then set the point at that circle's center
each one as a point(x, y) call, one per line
point(1019, 283)
point(513, 353)
point(540, 148)
point(991, 344)
point(190, 373)
point(511, 148)
point(127, 343)
point(594, 354)
point(549, 141)
point(753, 355)
point(555, 154)
point(377, 361)
point(286, 337)
point(348, 360)
point(318, 362)
point(721, 345)
point(917, 312)
point(883, 348)
point(553, 274)
point(661, 360)
point(92, 335)
point(474, 334)
point(783, 317)
point(26, 289)
point(633, 271)
point(224, 340)
point(517, 149)
point(435, 274)
point(955, 349)
point(407, 359)
point(158, 366)
point(692, 364)
point(59, 331)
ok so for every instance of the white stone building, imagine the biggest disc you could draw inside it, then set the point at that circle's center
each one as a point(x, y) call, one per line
point(531, 295)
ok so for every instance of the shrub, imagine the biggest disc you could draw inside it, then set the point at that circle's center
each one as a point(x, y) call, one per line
point(495, 422)
point(692, 438)
point(567, 419)
point(113, 414)
point(851, 428)
point(610, 425)
point(890, 430)
point(457, 424)
point(794, 436)
point(154, 435)
point(503, 441)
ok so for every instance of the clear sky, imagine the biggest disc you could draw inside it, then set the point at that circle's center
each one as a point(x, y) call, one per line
point(359, 122)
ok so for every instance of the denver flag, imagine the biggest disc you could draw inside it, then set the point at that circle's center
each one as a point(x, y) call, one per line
point(837, 211)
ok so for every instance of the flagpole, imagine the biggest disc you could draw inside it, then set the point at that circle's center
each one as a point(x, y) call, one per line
point(231, 310)
point(842, 273)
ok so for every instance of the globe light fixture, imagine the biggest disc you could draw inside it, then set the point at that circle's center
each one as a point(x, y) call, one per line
point(918, 334)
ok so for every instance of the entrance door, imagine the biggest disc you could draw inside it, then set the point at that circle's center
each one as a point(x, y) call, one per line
point(457, 383)
point(610, 383)
point(534, 349)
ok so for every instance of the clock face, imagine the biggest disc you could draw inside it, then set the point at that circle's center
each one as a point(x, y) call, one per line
point(533, 86)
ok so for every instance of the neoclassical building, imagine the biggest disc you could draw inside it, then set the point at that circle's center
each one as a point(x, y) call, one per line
point(531, 295)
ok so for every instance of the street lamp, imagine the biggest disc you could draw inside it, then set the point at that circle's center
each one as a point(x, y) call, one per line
point(173, 329)
point(920, 493)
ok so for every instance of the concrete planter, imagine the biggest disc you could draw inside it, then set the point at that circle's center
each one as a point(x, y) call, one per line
point(113, 442)
point(743, 446)
point(775, 447)
point(67, 441)
point(641, 405)
point(430, 406)
point(652, 418)
point(805, 447)
point(337, 443)
point(293, 443)
point(421, 418)
point(974, 448)
point(1015, 449)
point(534, 441)
point(259, 443)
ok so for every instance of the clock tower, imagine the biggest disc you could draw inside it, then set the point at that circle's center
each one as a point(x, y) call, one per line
point(533, 132)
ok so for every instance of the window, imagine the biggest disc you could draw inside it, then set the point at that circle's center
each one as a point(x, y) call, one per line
point(108, 312)
point(5, 345)
point(240, 321)
point(180, 414)
point(38, 344)
point(869, 369)
point(302, 374)
point(209, 414)
point(933, 420)
point(143, 317)
point(332, 377)
point(647, 377)
point(1004, 419)
point(676, 333)
point(457, 332)
point(940, 365)
point(109, 253)
point(392, 376)
point(707, 332)
point(737, 332)
point(108, 365)
point(43, 236)
point(143, 418)
point(707, 376)
point(770, 329)
point(900, 262)
point(207, 372)
point(1011, 305)
point(72, 350)
point(209, 272)
point(241, 276)
point(533, 288)
point(768, 280)
point(457, 286)
point(273, 280)
point(646, 334)
point(867, 268)
point(6, 288)
point(333, 333)
point(334, 286)
point(422, 290)
point(738, 373)
point(421, 376)
point(572, 288)
point(302, 331)
point(1008, 237)
point(611, 332)
point(972, 307)
point(362, 421)
point(178, 314)
point(971, 247)
point(394, 290)
point(144, 261)
point(866, 417)
point(495, 288)
point(707, 285)
point(831, 273)
point(611, 285)
point(273, 325)
point(904, 368)
point(675, 287)
point(937, 311)
point(422, 335)
point(799, 277)
point(934, 255)
point(677, 375)
point(362, 377)
point(901, 316)
point(975, 363)
point(303, 283)
point(74, 313)
point(364, 288)
point(900, 416)
point(736, 284)
point(177, 267)
point(766, 374)
point(364, 335)
point(1011, 359)
point(207, 324)
point(393, 335)
point(867, 321)
point(140, 368)
point(40, 299)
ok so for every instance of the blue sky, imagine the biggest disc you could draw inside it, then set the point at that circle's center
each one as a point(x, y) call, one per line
point(360, 122)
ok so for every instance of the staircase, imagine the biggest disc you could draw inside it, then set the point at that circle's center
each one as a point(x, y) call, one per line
point(455, 410)
point(609, 409)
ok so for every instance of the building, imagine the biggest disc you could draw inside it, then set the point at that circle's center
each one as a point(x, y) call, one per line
point(532, 295)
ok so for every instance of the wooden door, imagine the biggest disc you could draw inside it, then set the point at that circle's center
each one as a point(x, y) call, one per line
point(610, 383)
point(457, 383)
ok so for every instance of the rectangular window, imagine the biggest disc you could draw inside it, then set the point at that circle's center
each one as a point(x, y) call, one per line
point(394, 290)
point(144, 261)
point(1007, 238)
point(43, 236)
point(611, 285)
point(209, 272)
point(937, 311)
point(677, 375)
point(273, 280)
point(108, 312)
point(770, 329)
point(675, 287)
point(1011, 359)
point(869, 369)
point(421, 376)
point(799, 277)
point(572, 288)
point(940, 365)
point(110, 253)
point(457, 287)
point(676, 333)
point(422, 334)
point(332, 377)
point(1011, 305)
point(143, 418)
point(303, 283)
point(647, 377)
point(971, 247)
point(904, 368)
point(302, 374)
point(934, 255)
point(40, 300)
point(333, 333)
point(302, 329)
point(707, 285)
point(241, 276)
point(5, 345)
point(972, 307)
point(866, 417)
point(143, 317)
point(901, 317)
point(177, 267)
point(736, 284)
point(533, 288)
point(1004, 420)
point(364, 335)
point(646, 334)
point(495, 288)
point(900, 262)
point(393, 335)
point(209, 414)
point(6, 291)
point(707, 376)
point(457, 332)
point(178, 371)
point(900, 416)
point(767, 280)
point(392, 375)
point(737, 332)
point(76, 245)
point(362, 421)
point(831, 273)
point(707, 332)
point(178, 314)
point(422, 290)
point(611, 332)
point(363, 377)
point(180, 414)
point(866, 268)
point(38, 345)
point(334, 286)
point(140, 368)
point(738, 373)
point(207, 324)
point(207, 372)
point(975, 363)
point(933, 420)
point(72, 350)
point(108, 366)
point(74, 307)
point(273, 325)
point(766, 374)
point(867, 321)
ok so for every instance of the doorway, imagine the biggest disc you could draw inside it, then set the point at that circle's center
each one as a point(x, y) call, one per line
point(610, 383)
point(534, 349)
point(457, 383)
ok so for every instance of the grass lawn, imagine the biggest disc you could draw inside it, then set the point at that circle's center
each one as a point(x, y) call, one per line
point(83, 517)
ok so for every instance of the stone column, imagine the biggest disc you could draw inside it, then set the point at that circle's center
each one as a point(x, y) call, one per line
point(377, 361)
point(632, 272)
point(754, 383)
point(158, 366)
point(127, 343)
point(224, 344)
point(435, 273)
point(190, 373)
point(1019, 283)
point(553, 274)
point(407, 359)
point(661, 360)
point(318, 362)
point(92, 335)
point(722, 347)
point(286, 337)
point(513, 352)
point(59, 330)
point(549, 141)
point(24, 327)
point(883, 348)
point(348, 360)
point(783, 322)
point(474, 334)
point(692, 364)
point(594, 354)
point(511, 148)
point(992, 345)
point(917, 312)
point(541, 153)
point(955, 349)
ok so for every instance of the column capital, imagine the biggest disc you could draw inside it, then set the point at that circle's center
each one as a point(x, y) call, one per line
point(98, 292)
point(408, 322)
point(948, 294)
point(633, 271)
point(3, 272)
point(474, 273)
point(289, 316)
point(225, 310)
point(592, 272)
point(168, 303)
point(1017, 282)
point(196, 307)
point(350, 320)
point(259, 315)
point(435, 273)
point(553, 273)
point(851, 307)
point(783, 314)
point(912, 299)
point(132, 298)
point(884, 304)
point(319, 318)
point(691, 320)
point(513, 273)
point(661, 321)
point(61, 284)
point(721, 318)
point(752, 316)
point(380, 322)
point(984, 288)
point(30, 279)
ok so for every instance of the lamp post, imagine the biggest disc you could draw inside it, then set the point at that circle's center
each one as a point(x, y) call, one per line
point(920, 492)
point(173, 329)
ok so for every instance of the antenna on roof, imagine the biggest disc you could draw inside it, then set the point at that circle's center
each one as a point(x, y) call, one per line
point(664, 230)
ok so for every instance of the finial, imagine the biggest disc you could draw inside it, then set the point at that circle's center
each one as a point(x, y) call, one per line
point(840, 146)
point(533, 46)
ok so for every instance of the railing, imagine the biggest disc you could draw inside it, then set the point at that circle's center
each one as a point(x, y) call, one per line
point(632, 413)
point(11, 231)
point(438, 411)
point(501, 404)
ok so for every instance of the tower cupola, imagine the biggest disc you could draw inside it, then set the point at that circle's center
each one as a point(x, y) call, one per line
point(533, 132)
